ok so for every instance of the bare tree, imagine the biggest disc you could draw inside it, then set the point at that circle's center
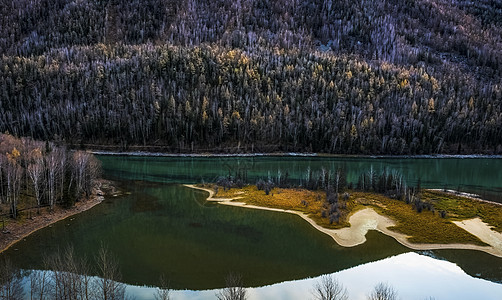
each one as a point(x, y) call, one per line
point(108, 287)
point(66, 278)
point(10, 282)
point(164, 291)
point(329, 288)
point(52, 167)
point(69, 279)
point(80, 161)
point(35, 172)
point(3, 166)
point(86, 281)
point(39, 284)
point(14, 174)
point(62, 170)
point(72, 279)
point(93, 171)
point(85, 171)
point(234, 289)
point(57, 288)
point(383, 291)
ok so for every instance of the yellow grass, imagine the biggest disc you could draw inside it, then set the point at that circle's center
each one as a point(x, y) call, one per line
point(302, 200)
point(425, 227)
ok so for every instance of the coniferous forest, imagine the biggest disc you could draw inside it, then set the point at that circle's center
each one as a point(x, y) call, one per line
point(361, 77)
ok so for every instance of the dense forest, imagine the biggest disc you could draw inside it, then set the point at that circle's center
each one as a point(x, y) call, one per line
point(363, 77)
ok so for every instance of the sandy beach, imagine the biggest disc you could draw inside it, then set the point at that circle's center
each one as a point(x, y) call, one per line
point(368, 219)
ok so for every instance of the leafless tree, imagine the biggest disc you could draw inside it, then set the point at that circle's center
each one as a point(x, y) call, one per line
point(72, 279)
point(39, 284)
point(10, 282)
point(80, 161)
point(164, 291)
point(14, 174)
point(86, 282)
point(62, 170)
point(108, 287)
point(93, 172)
point(86, 169)
point(234, 289)
point(52, 167)
point(35, 172)
point(68, 278)
point(329, 288)
point(3, 166)
point(383, 291)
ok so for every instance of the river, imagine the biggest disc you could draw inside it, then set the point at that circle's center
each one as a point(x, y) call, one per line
point(161, 227)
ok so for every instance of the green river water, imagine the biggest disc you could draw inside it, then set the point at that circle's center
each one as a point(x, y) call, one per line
point(162, 227)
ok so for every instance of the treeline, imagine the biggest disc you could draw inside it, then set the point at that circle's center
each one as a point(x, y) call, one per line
point(35, 174)
point(337, 188)
point(366, 77)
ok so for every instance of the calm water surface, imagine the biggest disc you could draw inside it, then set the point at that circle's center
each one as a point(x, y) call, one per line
point(476, 175)
point(161, 227)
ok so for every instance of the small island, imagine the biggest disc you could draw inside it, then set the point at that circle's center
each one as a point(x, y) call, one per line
point(442, 220)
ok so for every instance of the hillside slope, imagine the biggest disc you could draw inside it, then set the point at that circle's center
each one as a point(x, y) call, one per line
point(371, 77)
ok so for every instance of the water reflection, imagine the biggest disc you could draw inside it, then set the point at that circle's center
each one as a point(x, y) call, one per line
point(412, 275)
point(164, 228)
point(477, 175)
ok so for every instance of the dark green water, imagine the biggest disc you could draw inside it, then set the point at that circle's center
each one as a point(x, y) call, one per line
point(476, 175)
point(162, 227)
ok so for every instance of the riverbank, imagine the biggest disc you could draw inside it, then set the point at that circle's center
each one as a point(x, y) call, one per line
point(17, 230)
point(284, 154)
point(361, 221)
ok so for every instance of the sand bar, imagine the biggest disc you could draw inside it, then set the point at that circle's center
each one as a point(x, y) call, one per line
point(368, 219)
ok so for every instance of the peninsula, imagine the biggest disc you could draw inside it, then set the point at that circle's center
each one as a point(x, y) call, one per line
point(427, 230)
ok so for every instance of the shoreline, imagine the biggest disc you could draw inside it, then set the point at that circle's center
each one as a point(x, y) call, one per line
point(471, 196)
point(16, 232)
point(361, 222)
point(288, 154)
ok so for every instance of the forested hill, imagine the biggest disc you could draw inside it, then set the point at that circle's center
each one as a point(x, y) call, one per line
point(350, 76)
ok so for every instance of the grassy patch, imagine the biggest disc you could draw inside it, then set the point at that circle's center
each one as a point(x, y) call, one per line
point(426, 227)
point(301, 200)
point(462, 208)
point(422, 228)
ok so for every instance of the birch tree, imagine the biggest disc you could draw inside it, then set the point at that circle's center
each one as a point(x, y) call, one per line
point(35, 172)
point(80, 161)
point(3, 166)
point(53, 170)
point(108, 287)
point(14, 174)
